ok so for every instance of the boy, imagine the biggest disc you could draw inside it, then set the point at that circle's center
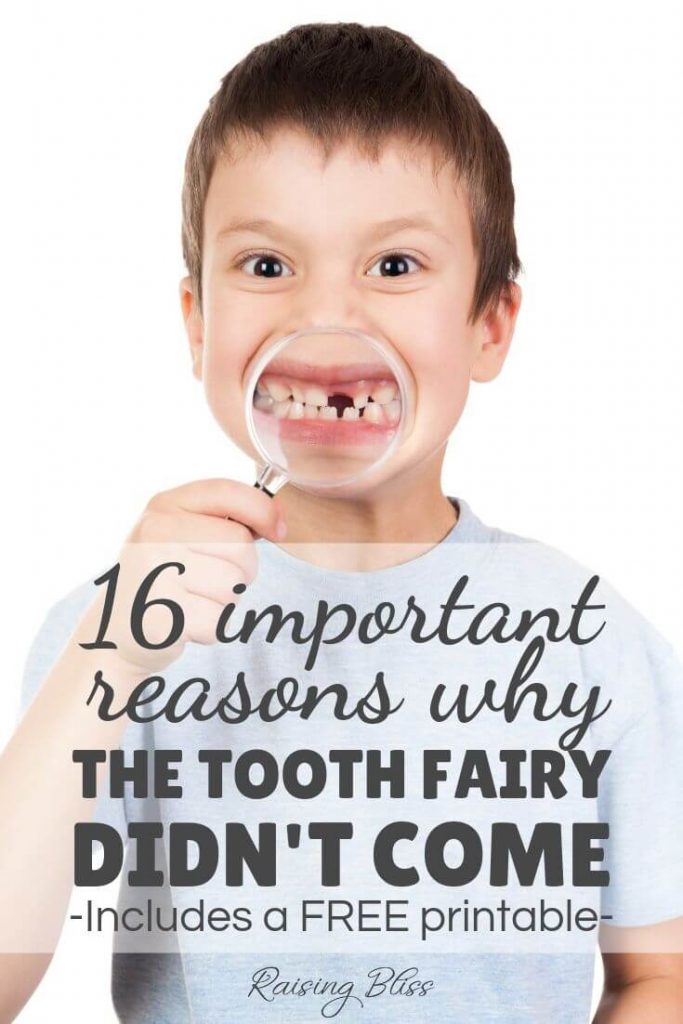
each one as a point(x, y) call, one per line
point(340, 176)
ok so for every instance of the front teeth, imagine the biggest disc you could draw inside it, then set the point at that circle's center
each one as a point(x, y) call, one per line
point(315, 396)
point(382, 395)
point(296, 401)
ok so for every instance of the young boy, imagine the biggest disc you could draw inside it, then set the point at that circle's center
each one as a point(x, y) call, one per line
point(343, 176)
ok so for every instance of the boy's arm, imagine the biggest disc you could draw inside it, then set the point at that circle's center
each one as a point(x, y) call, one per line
point(641, 988)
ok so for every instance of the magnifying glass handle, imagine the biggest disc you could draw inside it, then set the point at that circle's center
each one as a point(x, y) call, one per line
point(270, 480)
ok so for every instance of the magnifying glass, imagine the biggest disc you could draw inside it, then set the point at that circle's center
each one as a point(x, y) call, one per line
point(325, 407)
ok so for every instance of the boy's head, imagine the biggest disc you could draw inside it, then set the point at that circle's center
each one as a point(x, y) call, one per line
point(324, 136)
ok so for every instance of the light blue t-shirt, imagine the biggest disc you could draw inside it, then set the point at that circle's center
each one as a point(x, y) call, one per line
point(625, 684)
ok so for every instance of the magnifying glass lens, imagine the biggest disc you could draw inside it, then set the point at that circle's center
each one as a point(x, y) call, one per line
point(326, 405)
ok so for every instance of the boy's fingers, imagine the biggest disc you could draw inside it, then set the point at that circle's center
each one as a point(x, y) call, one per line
point(181, 527)
point(229, 499)
point(201, 619)
point(240, 553)
point(213, 578)
point(188, 533)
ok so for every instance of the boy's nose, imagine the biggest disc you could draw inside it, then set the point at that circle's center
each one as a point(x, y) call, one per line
point(328, 302)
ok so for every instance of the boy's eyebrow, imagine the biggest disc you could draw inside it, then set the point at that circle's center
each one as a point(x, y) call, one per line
point(378, 230)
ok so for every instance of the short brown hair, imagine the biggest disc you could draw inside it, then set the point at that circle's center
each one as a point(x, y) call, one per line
point(368, 84)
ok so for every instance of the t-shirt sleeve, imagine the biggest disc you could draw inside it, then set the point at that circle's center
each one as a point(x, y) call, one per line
point(641, 791)
point(48, 644)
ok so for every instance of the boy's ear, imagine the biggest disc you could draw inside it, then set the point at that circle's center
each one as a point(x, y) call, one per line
point(193, 325)
point(494, 333)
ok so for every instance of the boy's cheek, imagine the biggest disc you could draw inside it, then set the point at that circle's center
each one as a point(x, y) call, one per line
point(227, 409)
point(222, 371)
point(441, 367)
point(440, 408)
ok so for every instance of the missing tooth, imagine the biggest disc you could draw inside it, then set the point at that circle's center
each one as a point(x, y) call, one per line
point(340, 402)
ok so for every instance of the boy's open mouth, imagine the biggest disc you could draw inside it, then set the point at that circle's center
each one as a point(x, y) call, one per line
point(330, 394)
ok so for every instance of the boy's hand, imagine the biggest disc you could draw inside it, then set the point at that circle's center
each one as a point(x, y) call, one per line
point(208, 526)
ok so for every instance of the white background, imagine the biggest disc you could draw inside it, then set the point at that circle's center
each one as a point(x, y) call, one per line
point(576, 444)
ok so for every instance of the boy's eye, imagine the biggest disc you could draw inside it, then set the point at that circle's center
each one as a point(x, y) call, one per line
point(395, 264)
point(265, 265)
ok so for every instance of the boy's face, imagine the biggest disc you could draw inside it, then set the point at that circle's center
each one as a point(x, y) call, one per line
point(329, 263)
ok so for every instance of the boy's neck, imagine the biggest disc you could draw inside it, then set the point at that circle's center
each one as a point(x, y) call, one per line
point(397, 524)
